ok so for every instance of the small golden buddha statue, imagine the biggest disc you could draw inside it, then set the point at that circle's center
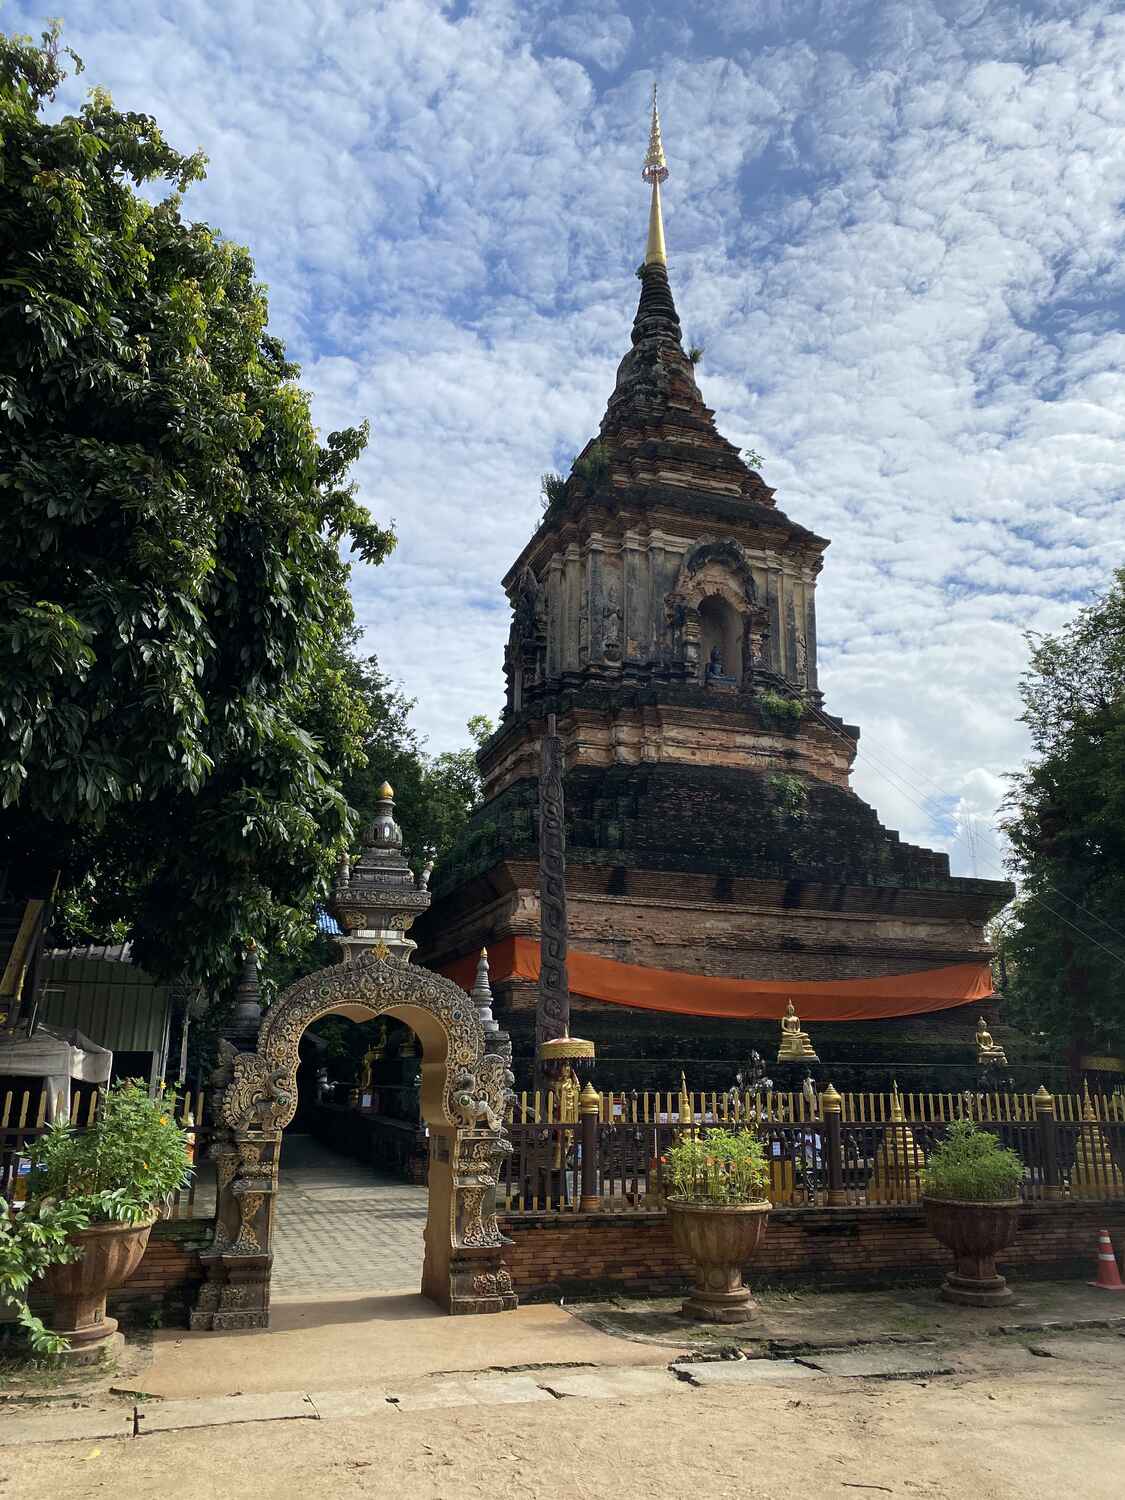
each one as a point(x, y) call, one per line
point(795, 1043)
point(568, 1091)
point(366, 1070)
point(988, 1051)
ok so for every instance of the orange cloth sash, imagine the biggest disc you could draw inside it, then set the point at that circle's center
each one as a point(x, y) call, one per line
point(671, 990)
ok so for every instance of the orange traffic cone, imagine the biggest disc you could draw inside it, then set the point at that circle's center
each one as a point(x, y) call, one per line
point(1109, 1278)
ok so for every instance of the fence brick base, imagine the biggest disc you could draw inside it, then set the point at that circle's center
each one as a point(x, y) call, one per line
point(165, 1282)
point(589, 1255)
point(601, 1254)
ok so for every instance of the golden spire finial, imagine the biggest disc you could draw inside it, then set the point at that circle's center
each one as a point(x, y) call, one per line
point(655, 171)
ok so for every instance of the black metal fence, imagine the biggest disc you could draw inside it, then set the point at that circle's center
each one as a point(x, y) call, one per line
point(24, 1119)
point(827, 1151)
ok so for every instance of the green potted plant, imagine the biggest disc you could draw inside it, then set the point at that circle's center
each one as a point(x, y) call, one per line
point(32, 1238)
point(970, 1192)
point(715, 1190)
point(94, 1197)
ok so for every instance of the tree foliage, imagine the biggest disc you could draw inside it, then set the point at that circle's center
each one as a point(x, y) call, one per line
point(434, 796)
point(1062, 943)
point(175, 715)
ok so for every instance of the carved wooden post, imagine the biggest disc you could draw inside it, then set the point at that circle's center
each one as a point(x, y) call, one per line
point(1048, 1130)
point(830, 1109)
point(589, 1107)
point(552, 1018)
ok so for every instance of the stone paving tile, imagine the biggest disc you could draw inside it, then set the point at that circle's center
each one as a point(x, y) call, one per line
point(62, 1426)
point(488, 1390)
point(600, 1384)
point(343, 1226)
point(272, 1406)
point(1108, 1350)
point(744, 1371)
point(332, 1406)
point(882, 1362)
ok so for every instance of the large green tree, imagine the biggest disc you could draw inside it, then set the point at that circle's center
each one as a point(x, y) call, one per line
point(434, 794)
point(1064, 940)
point(176, 714)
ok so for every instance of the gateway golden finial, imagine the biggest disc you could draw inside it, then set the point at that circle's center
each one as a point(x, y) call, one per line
point(655, 171)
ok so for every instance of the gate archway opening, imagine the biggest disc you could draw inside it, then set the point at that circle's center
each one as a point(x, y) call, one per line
point(465, 1090)
point(353, 1165)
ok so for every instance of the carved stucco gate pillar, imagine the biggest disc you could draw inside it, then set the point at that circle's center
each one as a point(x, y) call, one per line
point(466, 1088)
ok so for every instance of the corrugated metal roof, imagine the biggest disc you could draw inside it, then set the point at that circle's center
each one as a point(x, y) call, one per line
point(101, 993)
point(113, 953)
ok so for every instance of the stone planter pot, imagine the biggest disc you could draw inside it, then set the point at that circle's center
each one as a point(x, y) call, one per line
point(976, 1233)
point(718, 1240)
point(110, 1255)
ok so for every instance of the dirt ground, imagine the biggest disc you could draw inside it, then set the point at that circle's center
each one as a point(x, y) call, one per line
point(1022, 1412)
point(1004, 1436)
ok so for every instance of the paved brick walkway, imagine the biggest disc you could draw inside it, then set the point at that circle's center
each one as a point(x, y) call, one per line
point(342, 1226)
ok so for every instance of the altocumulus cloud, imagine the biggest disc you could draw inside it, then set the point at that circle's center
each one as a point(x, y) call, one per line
point(894, 227)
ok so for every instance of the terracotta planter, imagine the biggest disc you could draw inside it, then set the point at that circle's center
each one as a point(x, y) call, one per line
point(718, 1240)
point(110, 1255)
point(976, 1233)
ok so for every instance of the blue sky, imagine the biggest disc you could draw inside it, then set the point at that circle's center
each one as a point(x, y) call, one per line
point(895, 228)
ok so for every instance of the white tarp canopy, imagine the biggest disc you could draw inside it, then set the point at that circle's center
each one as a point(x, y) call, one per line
point(59, 1058)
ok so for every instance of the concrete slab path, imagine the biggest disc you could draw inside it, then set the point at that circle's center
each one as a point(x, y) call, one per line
point(354, 1339)
point(343, 1226)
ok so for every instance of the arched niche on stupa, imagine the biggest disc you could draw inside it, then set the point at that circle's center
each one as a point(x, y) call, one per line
point(718, 599)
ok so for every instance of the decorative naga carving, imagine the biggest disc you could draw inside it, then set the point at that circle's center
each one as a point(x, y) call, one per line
point(473, 1095)
point(257, 1097)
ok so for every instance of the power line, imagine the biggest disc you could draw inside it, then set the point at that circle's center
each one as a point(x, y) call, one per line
point(981, 838)
point(1035, 895)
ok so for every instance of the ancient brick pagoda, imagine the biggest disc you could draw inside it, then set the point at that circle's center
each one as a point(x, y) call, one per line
point(717, 859)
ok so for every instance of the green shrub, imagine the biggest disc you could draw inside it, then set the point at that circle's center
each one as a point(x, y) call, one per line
point(971, 1164)
point(791, 793)
point(32, 1239)
point(116, 1171)
point(131, 1160)
point(724, 1166)
point(593, 467)
point(552, 487)
point(779, 708)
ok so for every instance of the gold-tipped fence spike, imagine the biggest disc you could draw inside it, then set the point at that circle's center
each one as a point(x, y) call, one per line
point(1095, 1173)
point(896, 1170)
